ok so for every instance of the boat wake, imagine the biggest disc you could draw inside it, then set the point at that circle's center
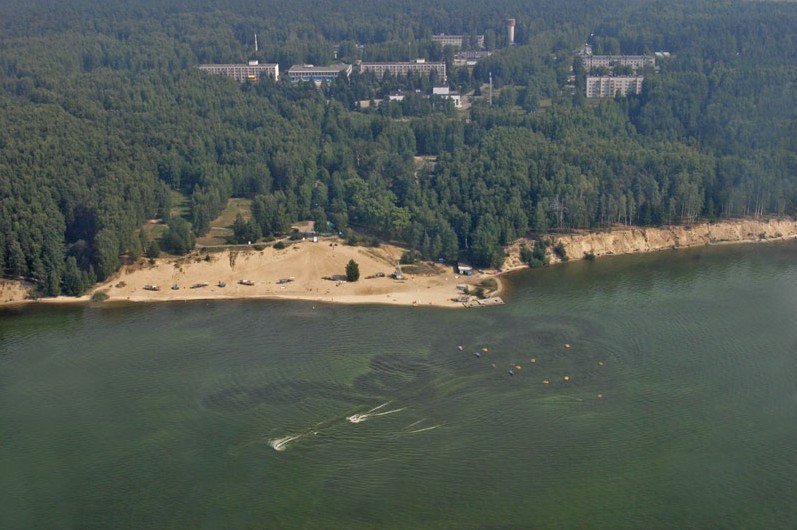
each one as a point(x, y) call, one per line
point(280, 444)
point(425, 429)
point(359, 418)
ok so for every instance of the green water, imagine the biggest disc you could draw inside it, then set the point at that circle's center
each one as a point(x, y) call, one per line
point(167, 415)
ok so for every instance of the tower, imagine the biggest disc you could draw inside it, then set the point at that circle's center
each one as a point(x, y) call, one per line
point(510, 31)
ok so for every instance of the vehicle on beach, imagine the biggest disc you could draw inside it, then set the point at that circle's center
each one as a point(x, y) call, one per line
point(175, 287)
point(246, 282)
point(152, 288)
point(221, 284)
point(285, 280)
point(199, 285)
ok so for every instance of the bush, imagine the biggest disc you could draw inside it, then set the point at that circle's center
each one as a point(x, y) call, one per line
point(525, 254)
point(537, 257)
point(589, 256)
point(409, 257)
point(559, 250)
point(352, 240)
point(153, 250)
point(279, 245)
point(245, 231)
point(352, 271)
point(259, 247)
point(178, 239)
point(99, 296)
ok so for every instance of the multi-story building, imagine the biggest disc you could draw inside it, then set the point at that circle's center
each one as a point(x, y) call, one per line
point(607, 86)
point(252, 72)
point(317, 74)
point(636, 62)
point(418, 66)
point(456, 40)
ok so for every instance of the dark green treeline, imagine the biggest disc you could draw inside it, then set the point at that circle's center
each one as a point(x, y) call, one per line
point(103, 117)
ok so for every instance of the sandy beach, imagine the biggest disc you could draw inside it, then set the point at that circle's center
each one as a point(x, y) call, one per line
point(304, 263)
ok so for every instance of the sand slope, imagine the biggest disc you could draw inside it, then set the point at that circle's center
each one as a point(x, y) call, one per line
point(307, 263)
point(632, 240)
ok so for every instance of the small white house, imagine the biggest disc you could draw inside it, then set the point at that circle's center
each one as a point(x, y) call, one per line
point(445, 92)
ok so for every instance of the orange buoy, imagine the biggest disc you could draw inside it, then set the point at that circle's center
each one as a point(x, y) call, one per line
point(600, 363)
point(518, 367)
point(567, 378)
point(546, 381)
point(485, 350)
point(567, 346)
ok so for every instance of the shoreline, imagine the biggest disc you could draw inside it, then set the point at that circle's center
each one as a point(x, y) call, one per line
point(427, 285)
point(624, 240)
point(304, 270)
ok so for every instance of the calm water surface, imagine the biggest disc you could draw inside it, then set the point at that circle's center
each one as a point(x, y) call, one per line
point(680, 409)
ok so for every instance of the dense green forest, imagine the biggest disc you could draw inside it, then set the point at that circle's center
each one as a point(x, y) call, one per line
point(103, 119)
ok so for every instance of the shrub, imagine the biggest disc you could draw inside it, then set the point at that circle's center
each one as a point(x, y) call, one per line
point(525, 254)
point(178, 239)
point(409, 257)
point(279, 245)
point(99, 296)
point(153, 249)
point(559, 250)
point(589, 256)
point(352, 271)
point(259, 247)
point(352, 239)
point(245, 231)
point(539, 258)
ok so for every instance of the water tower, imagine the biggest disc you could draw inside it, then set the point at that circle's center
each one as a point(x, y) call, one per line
point(510, 31)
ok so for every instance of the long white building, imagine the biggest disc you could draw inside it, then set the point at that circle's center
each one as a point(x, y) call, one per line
point(636, 62)
point(456, 40)
point(317, 74)
point(608, 87)
point(401, 69)
point(252, 72)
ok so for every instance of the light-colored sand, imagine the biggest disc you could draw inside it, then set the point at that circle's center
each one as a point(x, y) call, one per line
point(307, 263)
point(13, 291)
point(634, 240)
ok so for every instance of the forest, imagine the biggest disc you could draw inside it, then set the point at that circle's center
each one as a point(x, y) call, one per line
point(105, 121)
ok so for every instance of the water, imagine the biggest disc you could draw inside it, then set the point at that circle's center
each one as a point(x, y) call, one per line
point(679, 410)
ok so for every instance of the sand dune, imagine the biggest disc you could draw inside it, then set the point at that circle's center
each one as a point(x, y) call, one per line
point(305, 263)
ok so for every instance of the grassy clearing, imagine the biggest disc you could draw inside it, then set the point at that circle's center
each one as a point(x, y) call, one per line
point(234, 207)
point(181, 205)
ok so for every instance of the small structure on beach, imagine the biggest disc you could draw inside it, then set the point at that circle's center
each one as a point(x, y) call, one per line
point(397, 275)
point(465, 270)
point(495, 300)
